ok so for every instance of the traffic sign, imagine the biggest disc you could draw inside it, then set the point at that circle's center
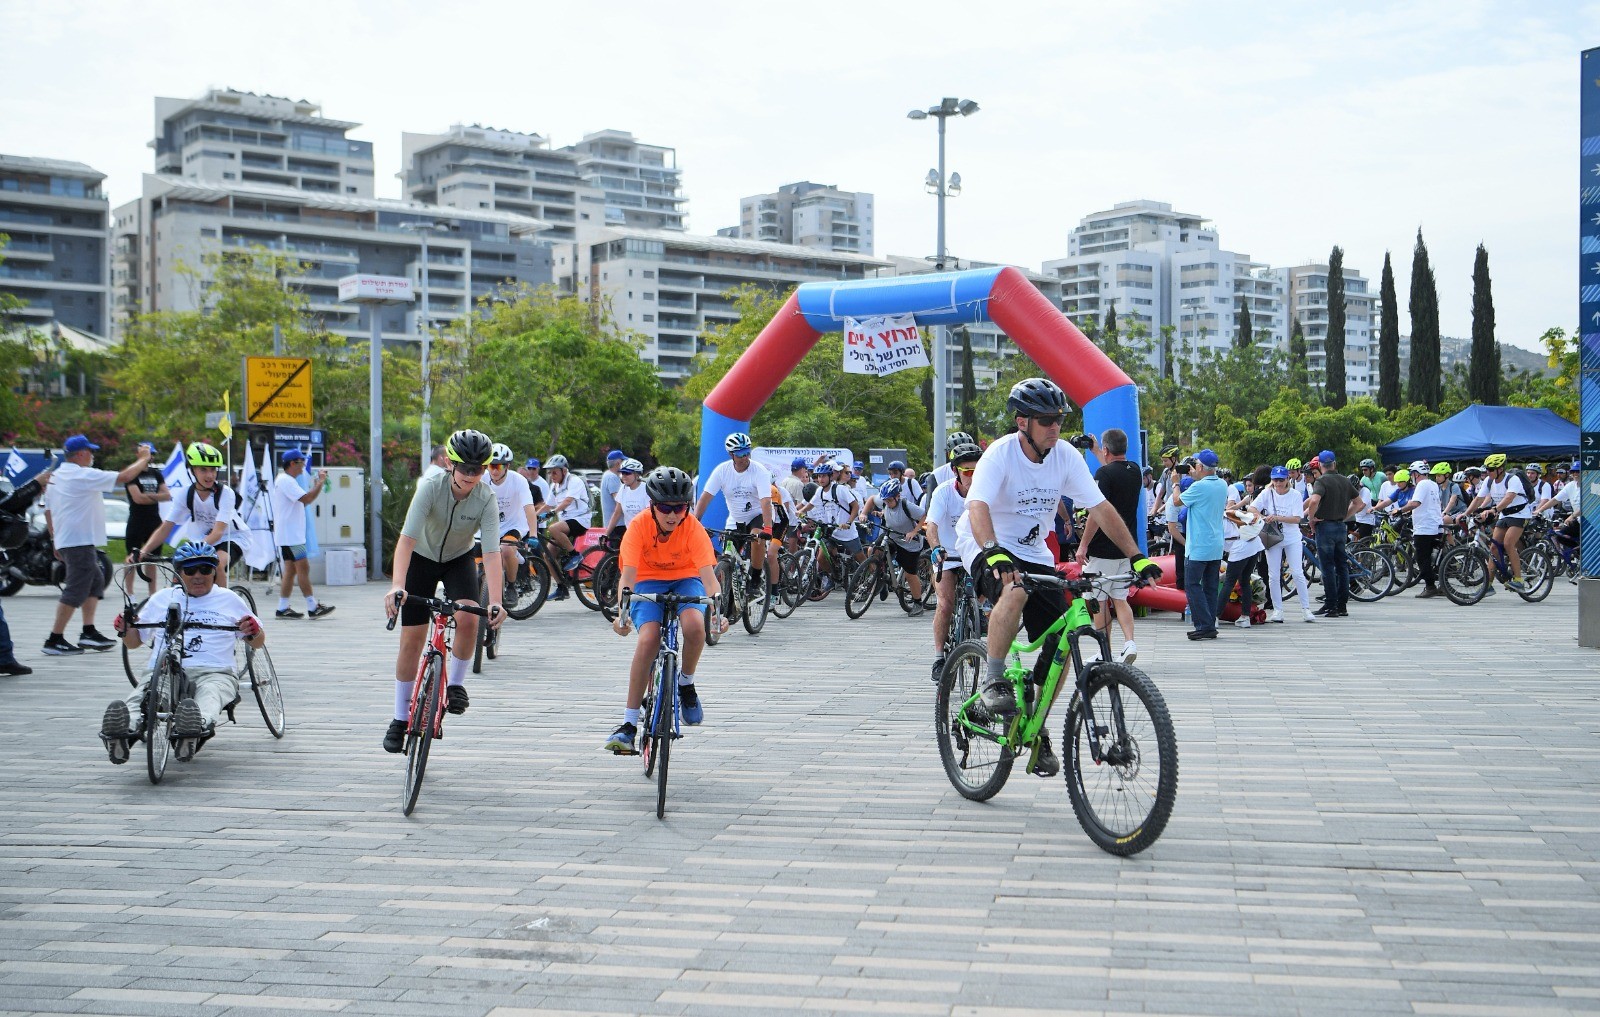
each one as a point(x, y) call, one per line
point(277, 390)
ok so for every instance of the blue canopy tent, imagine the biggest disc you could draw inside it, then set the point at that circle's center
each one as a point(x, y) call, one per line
point(1478, 430)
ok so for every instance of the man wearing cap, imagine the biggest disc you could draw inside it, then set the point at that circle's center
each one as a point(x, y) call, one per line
point(539, 487)
point(1205, 499)
point(75, 512)
point(289, 503)
point(1333, 501)
point(611, 483)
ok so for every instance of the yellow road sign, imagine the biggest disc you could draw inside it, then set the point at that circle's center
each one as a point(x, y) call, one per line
point(277, 390)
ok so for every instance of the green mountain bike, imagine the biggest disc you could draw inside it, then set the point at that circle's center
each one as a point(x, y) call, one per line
point(1118, 746)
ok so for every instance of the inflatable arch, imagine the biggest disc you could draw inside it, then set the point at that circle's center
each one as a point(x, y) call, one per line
point(1001, 295)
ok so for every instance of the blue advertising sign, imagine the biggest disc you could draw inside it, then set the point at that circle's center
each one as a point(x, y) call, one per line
point(1589, 304)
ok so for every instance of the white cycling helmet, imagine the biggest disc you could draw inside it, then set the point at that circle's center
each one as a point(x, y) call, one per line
point(1459, 478)
point(556, 462)
point(738, 443)
point(500, 454)
point(1420, 466)
point(632, 466)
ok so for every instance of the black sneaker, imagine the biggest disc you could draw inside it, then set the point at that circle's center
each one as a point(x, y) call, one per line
point(320, 610)
point(938, 668)
point(90, 639)
point(455, 699)
point(621, 740)
point(394, 739)
point(14, 668)
point(116, 731)
point(1045, 764)
point(288, 612)
point(57, 646)
point(189, 722)
point(1000, 698)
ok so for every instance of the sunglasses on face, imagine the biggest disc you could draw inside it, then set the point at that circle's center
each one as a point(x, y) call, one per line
point(966, 469)
point(198, 570)
point(673, 509)
point(1048, 420)
point(468, 471)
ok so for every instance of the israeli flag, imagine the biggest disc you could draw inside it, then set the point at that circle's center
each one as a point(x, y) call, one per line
point(16, 466)
point(176, 473)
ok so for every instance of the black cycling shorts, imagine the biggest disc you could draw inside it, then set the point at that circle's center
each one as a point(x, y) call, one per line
point(575, 529)
point(1043, 606)
point(459, 576)
point(907, 559)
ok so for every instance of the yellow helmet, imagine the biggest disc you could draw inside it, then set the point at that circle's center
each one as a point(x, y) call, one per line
point(1495, 462)
point(1293, 464)
point(1402, 477)
point(1441, 470)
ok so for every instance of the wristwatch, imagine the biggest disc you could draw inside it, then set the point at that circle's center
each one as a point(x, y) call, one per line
point(989, 545)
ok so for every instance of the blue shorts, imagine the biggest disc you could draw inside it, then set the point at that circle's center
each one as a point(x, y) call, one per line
point(293, 552)
point(642, 611)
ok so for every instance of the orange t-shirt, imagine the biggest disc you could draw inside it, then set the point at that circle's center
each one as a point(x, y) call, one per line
point(680, 556)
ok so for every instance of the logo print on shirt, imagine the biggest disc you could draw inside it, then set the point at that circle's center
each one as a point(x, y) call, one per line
point(1032, 538)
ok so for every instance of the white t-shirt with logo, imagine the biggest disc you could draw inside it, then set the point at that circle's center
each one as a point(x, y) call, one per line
point(1023, 495)
point(203, 649)
point(742, 491)
point(1568, 496)
point(209, 506)
point(575, 488)
point(511, 496)
point(1427, 519)
point(944, 511)
point(833, 506)
point(1290, 503)
point(633, 500)
point(77, 510)
point(288, 512)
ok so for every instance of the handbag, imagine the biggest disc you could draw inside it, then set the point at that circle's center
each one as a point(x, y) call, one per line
point(1272, 533)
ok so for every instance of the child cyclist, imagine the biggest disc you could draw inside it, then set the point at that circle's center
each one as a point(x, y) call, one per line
point(664, 550)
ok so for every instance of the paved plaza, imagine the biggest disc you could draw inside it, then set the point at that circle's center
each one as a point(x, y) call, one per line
point(1390, 814)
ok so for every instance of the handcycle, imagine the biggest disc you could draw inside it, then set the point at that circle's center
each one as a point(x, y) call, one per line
point(426, 721)
point(659, 713)
point(750, 603)
point(1468, 570)
point(1120, 753)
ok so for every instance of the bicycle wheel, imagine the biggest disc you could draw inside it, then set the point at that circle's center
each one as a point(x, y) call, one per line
point(426, 710)
point(1124, 802)
point(1463, 575)
point(1371, 575)
point(783, 598)
point(724, 599)
point(606, 577)
point(758, 601)
point(1537, 574)
point(975, 758)
point(902, 591)
point(482, 639)
point(861, 589)
point(245, 595)
point(526, 592)
point(127, 665)
point(647, 721)
point(264, 683)
point(583, 580)
point(666, 698)
point(159, 714)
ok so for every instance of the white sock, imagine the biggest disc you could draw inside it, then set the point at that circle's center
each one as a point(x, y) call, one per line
point(283, 603)
point(685, 678)
point(311, 603)
point(402, 700)
point(631, 716)
point(456, 670)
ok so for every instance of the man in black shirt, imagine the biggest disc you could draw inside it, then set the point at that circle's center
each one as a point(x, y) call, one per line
point(145, 493)
point(1332, 501)
point(1123, 485)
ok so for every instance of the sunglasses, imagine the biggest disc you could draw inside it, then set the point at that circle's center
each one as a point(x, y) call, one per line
point(1048, 420)
point(672, 509)
point(966, 469)
point(198, 570)
point(468, 471)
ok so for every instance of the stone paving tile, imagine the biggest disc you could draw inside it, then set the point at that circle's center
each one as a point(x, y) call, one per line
point(1360, 827)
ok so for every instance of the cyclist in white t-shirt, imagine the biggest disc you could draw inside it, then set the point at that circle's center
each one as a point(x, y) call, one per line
point(569, 500)
point(903, 518)
point(631, 499)
point(203, 513)
point(1504, 499)
point(1427, 524)
point(1011, 508)
point(746, 488)
point(538, 487)
point(944, 511)
point(289, 501)
point(944, 471)
point(514, 501)
point(837, 507)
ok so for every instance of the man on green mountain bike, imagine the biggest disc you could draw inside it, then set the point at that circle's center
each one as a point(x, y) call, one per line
point(1011, 507)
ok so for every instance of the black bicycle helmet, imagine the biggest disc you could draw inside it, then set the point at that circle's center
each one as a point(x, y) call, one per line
point(1170, 452)
point(670, 486)
point(966, 452)
point(1032, 397)
point(470, 447)
point(957, 438)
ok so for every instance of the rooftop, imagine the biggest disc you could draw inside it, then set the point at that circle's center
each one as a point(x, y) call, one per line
point(60, 167)
point(731, 245)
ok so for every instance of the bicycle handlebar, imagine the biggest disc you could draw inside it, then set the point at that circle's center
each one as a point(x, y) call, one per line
point(436, 606)
point(1084, 583)
point(665, 598)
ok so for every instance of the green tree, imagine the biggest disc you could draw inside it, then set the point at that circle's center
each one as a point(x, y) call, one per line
point(1483, 382)
point(1424, 384)
point(1166, 365)
point(1333, 345)
point(1243, 329)
point(1299, 372)
point(969, 385)
point(1389, 341)
point(1110, 342)
point(1290, 425)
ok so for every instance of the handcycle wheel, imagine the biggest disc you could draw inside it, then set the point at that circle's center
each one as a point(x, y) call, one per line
point(861, 589)
point(784, 599)
point(977, 762)
point(264, 683)
point(1123, 803)
point(758, 601)
point(723, 601)
point(1537, 574)
point(1371, 575)
point(482, 639)
point(248, 597)
point(606, 577)
point(127, 654)
point(159, 716)
point(426, 710)
point(526, 592)
point(583, 579)
point(1463, 575)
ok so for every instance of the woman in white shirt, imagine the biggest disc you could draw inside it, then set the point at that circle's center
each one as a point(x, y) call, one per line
point(1282, 504)
point(1241, 543)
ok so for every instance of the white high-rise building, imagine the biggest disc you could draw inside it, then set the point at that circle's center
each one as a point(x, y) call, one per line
point(55, 262)
point(1207, 287)
point(641, 184)
point(1306, 290)
point(808, 215)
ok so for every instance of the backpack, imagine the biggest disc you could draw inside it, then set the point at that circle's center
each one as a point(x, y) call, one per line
point(188, 497)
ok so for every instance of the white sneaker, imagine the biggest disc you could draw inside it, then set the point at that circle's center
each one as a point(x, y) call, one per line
point(1276, 616)
point(1130, 652)
point(1091, 652)
point(1243, 622)
point(1310, 617)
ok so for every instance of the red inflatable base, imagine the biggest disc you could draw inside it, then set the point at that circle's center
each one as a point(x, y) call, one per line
point(1165, 596)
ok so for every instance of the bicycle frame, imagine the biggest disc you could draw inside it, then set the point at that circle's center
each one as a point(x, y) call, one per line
point(438, 645)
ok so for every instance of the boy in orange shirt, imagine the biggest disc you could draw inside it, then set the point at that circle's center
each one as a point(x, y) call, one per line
point(664, 550)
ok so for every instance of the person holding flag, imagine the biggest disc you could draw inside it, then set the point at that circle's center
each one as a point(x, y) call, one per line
point(289, 503)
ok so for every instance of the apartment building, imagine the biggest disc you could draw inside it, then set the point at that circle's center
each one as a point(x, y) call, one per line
point(1306, 294)
point(808, 215)
point(670, 286)
point(1207, 287)
point(641, 184)
point(55, 262)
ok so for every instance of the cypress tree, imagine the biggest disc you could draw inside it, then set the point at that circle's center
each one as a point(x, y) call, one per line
point(1299, 373)
point(1333, 346)
point(1243, 332)
point(969, 385)
point(1389, 341)
point(1108, 333)
point(1483, 383)
point(1167, 369)
point(1423, 383)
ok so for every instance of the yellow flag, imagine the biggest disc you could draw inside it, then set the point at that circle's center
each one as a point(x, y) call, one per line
point(225, 425)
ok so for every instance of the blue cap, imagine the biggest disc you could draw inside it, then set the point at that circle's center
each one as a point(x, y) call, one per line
point(859, 464)
point(1184, 482)
point(1280, 473)
point(290, 456)
point(532, 464)
point(1325, 456)
point(797, 463)
point(615, 455)
point(1207, 458)
point(77, 443)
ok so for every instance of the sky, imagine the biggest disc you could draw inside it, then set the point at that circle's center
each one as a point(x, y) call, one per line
point(1292, 127)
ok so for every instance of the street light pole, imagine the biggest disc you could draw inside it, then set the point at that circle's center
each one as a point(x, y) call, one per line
point(425, 329)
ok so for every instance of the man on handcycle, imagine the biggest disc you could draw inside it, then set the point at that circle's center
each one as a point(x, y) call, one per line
point(207, 653)
point(664, 550)
point(1011, 506)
